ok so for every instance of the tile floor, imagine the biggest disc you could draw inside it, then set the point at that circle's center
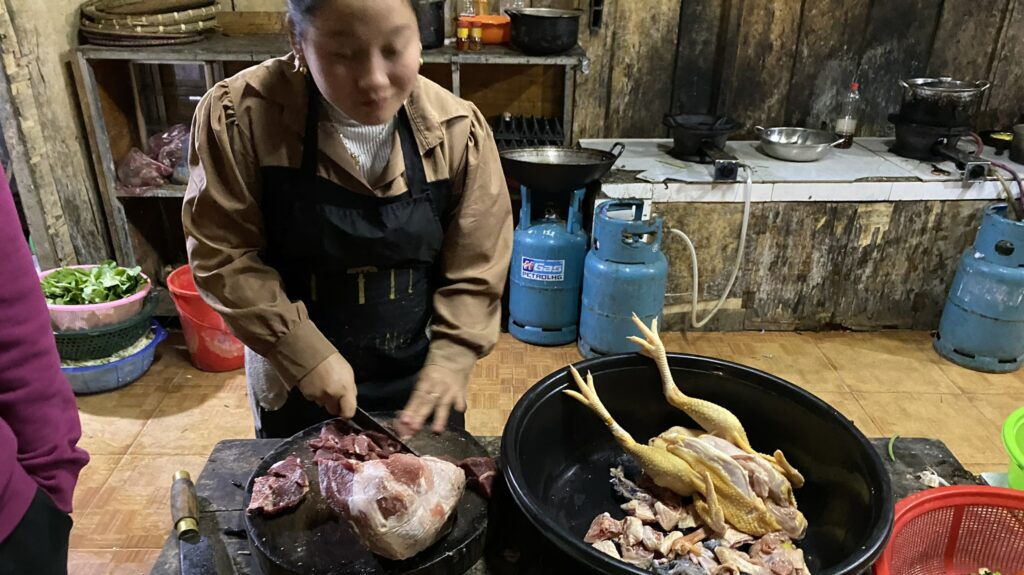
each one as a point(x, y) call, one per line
point(887, 383)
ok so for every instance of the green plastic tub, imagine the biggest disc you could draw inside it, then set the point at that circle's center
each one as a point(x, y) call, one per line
point(1013, 439)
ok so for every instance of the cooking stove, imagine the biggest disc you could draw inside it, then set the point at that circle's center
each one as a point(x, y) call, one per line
point(700, 138)
point(931, 130)
point(726, 165)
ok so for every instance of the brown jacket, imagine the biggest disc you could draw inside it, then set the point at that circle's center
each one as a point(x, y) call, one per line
point(256, 118)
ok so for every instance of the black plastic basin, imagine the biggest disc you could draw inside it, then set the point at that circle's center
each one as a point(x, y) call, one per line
point(556, 454)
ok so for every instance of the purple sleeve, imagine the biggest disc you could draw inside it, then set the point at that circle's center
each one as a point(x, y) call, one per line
point(39, 424)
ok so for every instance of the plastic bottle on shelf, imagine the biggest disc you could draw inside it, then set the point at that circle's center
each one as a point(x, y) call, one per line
point(849, 113)
point(476, 37)
point(462, 35)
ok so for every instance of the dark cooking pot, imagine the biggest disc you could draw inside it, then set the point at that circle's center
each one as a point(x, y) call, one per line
point(430, 15)
point(943, 89)
point(544, 31)
point(557, 453)
point(690, 131)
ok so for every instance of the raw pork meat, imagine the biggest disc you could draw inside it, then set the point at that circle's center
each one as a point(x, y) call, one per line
point(399, 505)
point(480, 472)
point(282, 488)
point(336, 441)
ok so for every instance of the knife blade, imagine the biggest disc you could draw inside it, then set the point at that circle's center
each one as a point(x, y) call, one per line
point(368, 423)
point(195, 551)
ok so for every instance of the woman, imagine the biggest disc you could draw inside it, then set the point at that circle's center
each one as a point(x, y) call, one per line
point(350, 221)
point(39, 424)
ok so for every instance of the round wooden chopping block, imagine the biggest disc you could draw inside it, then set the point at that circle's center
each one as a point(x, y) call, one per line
point(313, 539)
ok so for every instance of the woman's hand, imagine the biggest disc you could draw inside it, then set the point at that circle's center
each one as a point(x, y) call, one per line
point(437, 391)
point(331, 385)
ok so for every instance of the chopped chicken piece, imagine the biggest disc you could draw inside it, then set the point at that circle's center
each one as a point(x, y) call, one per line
point(679, 567)
point(668, 542)
point(652, 538)
point(776, 552)
point(607, 547)
point(637, 555)
point(668, 518)
point(738, 560)
point(688, 518)
point(632, 532)
point(603, 528)
point(734, 539)
point(640, 510)
point(697, 536)
point(705, 560)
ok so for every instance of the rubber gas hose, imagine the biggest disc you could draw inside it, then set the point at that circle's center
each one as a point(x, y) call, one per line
point(747, 190)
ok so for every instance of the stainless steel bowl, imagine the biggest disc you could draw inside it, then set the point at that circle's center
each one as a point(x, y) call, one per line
point(796, 144)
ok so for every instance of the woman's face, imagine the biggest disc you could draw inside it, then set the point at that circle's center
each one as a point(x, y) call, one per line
point(364, 56)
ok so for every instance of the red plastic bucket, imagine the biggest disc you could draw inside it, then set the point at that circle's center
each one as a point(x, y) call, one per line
point(211, 346)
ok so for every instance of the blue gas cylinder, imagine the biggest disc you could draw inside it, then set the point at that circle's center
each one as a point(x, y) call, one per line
point(546, 274)
point(625, 273)
point(982, 325)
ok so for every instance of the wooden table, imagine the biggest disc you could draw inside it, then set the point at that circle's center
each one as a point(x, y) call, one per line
point(221, 492)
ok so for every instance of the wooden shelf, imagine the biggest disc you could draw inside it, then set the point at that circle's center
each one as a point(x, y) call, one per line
point(259, 48)
point(136, 225)
point(165, 191)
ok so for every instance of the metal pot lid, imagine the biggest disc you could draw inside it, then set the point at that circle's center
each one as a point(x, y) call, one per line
point(544, 12)
point(946, 85)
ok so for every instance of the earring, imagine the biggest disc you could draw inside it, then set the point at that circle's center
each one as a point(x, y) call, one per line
point(300, 66)
point(421, 61)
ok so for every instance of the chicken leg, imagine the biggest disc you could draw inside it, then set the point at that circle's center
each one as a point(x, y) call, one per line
point(664, 468)
point(714, 418)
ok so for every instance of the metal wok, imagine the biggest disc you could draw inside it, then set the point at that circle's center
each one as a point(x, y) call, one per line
point(558, 169)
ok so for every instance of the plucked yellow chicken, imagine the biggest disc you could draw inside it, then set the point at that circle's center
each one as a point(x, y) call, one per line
point(690, 463)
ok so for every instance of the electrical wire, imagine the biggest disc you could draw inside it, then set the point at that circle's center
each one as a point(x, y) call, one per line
point(747, 192)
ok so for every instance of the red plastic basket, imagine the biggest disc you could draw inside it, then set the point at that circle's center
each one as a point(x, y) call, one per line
point(956, 531)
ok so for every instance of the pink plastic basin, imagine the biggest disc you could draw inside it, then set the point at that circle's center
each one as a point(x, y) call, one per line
point(92, 316)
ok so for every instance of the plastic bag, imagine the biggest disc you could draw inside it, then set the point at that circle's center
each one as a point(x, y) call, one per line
point(168, 147)
point(166, 154)
point(137, 170)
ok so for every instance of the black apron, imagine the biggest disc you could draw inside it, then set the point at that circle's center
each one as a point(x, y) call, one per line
point(365, 267)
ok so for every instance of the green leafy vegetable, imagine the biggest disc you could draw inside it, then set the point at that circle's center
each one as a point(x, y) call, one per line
point(81, 286)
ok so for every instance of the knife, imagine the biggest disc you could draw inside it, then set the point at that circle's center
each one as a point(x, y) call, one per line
point(197, 555)
point(368, 423)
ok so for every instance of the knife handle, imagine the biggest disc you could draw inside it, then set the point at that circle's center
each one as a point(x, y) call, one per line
point(184, 507)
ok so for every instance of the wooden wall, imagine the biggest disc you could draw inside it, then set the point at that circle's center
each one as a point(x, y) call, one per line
point(820, 265)
point(788, 61)
point(43, 133)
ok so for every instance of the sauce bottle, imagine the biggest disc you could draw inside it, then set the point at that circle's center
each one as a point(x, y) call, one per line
point(462, 35)
point(476, 37)
point(849, 112)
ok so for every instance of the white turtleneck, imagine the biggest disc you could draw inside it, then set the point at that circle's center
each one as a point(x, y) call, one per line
point(370, 146)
